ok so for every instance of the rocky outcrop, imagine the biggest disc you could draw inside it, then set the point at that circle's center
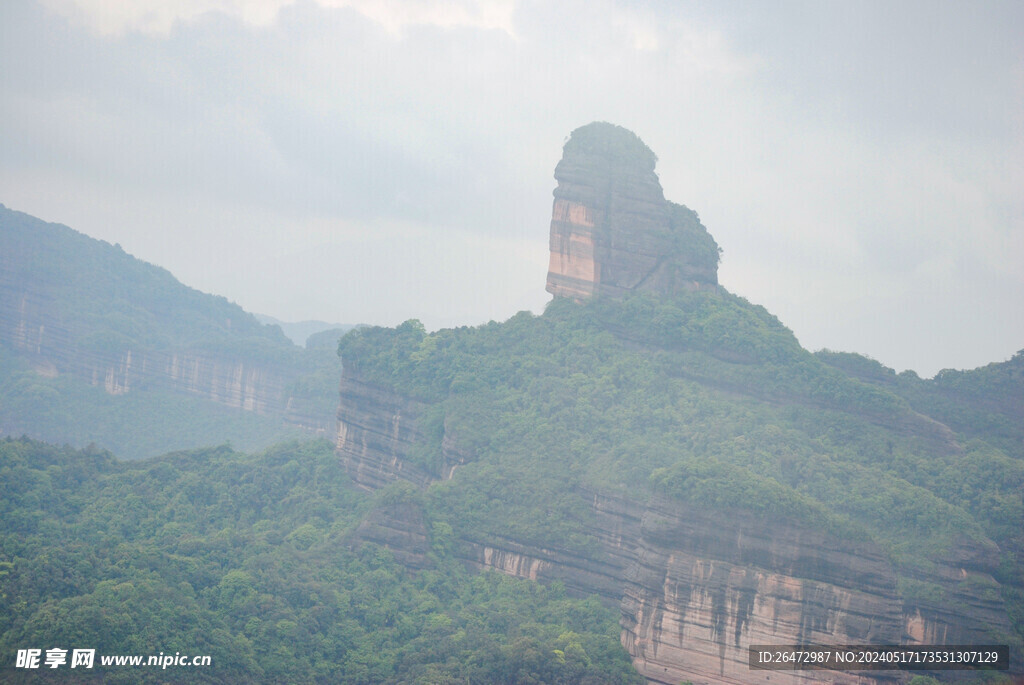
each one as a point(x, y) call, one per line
point(612, 231)
point(376, 434)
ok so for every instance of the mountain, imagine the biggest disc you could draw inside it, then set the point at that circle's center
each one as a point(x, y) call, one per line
point(299, 332)
point(668, 446)
point(652, 472)
point(102, 347)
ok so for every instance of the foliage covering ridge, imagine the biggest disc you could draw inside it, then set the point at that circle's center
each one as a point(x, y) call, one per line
point(705, 397)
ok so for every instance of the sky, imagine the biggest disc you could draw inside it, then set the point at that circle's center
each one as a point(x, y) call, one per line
point(861, 164)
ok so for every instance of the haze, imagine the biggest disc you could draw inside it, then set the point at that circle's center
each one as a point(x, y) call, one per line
point(861, 164)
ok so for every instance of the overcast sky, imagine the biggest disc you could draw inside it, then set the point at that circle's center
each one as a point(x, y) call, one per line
point(860, 163)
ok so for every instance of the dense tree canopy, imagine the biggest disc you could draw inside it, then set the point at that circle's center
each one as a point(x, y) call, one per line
point(251, 559)
point(706, 398)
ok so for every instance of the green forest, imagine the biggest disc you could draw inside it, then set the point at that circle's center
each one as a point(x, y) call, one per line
point(255, 561)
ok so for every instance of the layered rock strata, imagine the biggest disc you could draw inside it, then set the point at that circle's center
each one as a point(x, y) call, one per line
point(701, 590)
point(235, 382)
point(612, 231)
point(28, 327)
point(965, 587)
point(376, 433)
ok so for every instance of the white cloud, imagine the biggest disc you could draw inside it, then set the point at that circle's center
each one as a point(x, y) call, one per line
point(872, 208)
point(117, 17)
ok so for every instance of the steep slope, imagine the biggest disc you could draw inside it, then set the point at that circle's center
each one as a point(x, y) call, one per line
point(90, 333)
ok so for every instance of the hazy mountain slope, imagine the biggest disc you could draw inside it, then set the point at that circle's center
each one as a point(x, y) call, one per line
point(300, 331)
point(99, 298)
point(101, 347)
point(985, 403)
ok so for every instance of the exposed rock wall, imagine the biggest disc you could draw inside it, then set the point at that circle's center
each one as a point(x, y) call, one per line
point(965, 580)
point(702, 589)
point(376, 432)
point(612, 231)
point(401, 527)
point(236, 383)
point(695, 588)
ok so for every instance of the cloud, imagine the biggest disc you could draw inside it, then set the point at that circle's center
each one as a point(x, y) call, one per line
point(863, 155)
point(160, 17)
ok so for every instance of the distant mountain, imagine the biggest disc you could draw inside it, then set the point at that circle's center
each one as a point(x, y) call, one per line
point(103, 347)
point(300, 331)
point(59, 287)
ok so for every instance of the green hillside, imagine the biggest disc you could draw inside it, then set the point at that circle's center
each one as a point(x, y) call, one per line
point(705, 398)
point(269, 561)
point(985, 403)
point(260, 560)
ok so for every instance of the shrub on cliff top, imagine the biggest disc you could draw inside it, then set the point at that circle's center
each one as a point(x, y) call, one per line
point(612, 142)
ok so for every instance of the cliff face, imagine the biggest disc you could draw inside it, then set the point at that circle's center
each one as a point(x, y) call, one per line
point(376, 432)
point(612, 231)
point(704, 587)
point(54, 349)
point(965, 577)
point(695, 587)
